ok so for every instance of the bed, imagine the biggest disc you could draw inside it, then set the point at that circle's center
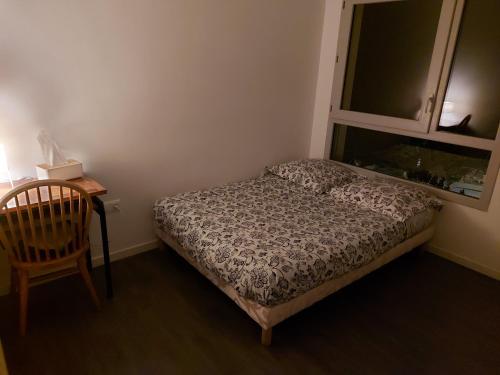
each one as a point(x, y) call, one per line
point(276, 247)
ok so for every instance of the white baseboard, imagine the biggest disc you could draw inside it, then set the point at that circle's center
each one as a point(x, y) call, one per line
point(463, 261)
point(127, 252)
point(115, 255)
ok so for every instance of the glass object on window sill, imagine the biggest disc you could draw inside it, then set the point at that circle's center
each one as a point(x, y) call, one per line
point(445, 166)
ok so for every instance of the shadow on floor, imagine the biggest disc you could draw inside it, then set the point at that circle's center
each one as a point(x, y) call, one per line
point(418, 315)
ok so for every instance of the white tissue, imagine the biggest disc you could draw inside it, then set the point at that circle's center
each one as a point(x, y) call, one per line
point(50, 150)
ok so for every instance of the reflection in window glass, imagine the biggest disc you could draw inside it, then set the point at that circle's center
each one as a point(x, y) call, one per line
point(472, 102)
point(449, 167)
point(390, 51)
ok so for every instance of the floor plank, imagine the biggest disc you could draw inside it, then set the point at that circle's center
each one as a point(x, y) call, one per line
point(418, 315)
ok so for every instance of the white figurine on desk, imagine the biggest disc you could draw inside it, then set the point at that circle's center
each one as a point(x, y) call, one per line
point(56, 166)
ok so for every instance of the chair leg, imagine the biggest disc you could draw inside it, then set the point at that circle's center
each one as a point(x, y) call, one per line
point(23, 301)
point(14, 281)
point(88, 257)
point(267, 335)
point(82, 266)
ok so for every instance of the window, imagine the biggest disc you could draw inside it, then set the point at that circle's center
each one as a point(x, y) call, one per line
point(449, 167)
point(472, 97)
point(391, 53)
point(416, 93)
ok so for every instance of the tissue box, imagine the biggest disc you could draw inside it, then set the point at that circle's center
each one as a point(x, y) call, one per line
point(71, 169)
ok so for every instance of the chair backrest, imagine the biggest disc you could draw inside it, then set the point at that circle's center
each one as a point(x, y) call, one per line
point(45, 222)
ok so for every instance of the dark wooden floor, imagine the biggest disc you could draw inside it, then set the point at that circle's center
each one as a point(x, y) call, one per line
point(418, 315)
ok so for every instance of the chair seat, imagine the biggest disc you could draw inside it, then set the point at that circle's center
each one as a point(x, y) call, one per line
point(63, 236)
point(50, 248)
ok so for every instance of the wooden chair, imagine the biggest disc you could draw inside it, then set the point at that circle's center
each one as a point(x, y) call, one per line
point(44, 227)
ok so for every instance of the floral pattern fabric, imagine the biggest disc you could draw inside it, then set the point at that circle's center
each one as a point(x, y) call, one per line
point(317, 175)
point(272, 240)
point(398, 200)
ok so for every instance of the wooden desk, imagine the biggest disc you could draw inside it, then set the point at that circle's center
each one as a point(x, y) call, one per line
point(95, 190)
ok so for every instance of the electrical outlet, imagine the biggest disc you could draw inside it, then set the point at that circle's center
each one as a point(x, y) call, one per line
point(112, 206)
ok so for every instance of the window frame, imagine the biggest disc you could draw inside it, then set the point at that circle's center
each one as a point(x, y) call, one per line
point(488, 187)
point(343, 45)
point(451, 15)
point(466, 140)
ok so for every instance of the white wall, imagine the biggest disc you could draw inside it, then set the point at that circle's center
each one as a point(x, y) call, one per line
point(158, 97)
point(471, 237)
point(320, 128)
point(464, 235)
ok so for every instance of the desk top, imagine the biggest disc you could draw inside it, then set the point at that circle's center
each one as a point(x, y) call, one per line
point(90, 185)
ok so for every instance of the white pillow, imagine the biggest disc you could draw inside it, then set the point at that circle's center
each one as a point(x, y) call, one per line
point(317, 175)
point(398, 200)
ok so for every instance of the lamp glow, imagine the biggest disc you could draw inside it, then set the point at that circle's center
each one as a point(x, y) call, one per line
point(5, 175)
point(449, 115)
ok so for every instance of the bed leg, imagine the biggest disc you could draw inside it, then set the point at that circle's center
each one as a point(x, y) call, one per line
point(267, 335)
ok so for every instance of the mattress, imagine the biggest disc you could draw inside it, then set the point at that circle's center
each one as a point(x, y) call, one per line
point(273, 241)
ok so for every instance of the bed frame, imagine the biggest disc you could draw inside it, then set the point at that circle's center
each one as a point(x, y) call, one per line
point(267, 317)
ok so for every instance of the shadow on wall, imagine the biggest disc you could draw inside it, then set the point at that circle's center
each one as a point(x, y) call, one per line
point(25, 108)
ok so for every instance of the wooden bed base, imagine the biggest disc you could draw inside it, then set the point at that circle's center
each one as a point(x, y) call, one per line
point(267, 317)
point(266, 336)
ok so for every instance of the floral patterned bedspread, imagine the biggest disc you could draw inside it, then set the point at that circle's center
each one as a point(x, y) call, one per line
point(272, 240)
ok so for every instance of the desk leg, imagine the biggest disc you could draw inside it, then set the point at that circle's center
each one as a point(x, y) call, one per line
point(99, 209)
point(89, 261)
